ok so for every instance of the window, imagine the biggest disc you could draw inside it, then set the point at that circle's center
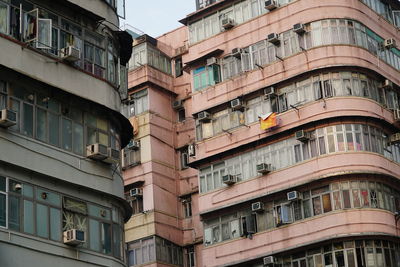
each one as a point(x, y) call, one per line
point(131, 154)
point(178, 67)
point(137, 104)
point(181, 115)
point(187, 207)
point(206, 76)
point(190, 257)
point(136, 202)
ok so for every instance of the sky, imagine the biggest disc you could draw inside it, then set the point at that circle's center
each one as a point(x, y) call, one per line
point(156, 17)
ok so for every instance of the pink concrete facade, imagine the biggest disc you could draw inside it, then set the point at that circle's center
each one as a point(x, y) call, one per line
point(203, 194)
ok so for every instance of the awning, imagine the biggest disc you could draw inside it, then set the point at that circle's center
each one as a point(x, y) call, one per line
point(125, 46)
point(212, 53)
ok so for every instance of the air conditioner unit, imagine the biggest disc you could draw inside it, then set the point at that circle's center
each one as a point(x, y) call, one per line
point(236, 52)
point(273, 38)
point(389, 43)
point(270, 90)
point(270, 4)
point(135, 145)
point(257, 206)
point(229, 179)
point(70, 53)
point(269, 260)
point(136, 192)
point(387, 84)
point(302, 136)
point(204, 116)
point(236, 104)
point(299, 28)
point(191, 150)
point(7, 118)
point(264, 168)
point(395, 138)
point(97, 152)
point(113, 155)
point(293, 195)
point(396, 115)
point(74, 237)
point(227, 23)
point(211, 61)
point(177, 104)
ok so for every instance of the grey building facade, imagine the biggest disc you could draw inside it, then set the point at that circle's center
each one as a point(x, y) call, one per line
point(62, 78)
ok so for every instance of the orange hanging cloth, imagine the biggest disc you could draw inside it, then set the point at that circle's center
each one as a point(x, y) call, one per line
point(135, 125)
point(267, 121)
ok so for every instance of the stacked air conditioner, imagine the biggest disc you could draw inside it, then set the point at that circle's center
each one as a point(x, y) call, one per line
point(102, 153)
point(70, 53)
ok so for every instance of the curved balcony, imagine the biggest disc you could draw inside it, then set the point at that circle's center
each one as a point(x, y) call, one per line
point(338, 224)
point(100, 8)
point(315, 58)
point(283, 18)
point(311, 112)
point(317, 168)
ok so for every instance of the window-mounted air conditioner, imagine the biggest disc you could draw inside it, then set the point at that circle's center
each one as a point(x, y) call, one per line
point(264, 168)
point(229, 179)
point(302, 136)
point(270, 4)
point(211, 61)
point(136, 192)
point(389, 43)
point(177, 104)
point(227, 23)
point(70, 53)
point(269, 91)
point(257, 206)
point(293, 195)
point(204, 116)
point(236, 52)
point(395, 138)
point(74, 237)
point(113, 155)
point(396, 115)
point(268, 261)
point(236, 104)
point(134, 145)
point(97, 151)
point(299, 28)
point(7, 118)
point(387, 84)
point(273, 38)
point(191, 150)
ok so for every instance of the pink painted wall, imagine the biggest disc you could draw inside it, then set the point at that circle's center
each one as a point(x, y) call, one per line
point(341, 223)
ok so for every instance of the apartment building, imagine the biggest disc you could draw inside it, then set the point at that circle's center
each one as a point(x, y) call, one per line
point(266, 134)
point(62, 77)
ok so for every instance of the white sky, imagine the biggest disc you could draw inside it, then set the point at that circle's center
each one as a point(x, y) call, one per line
point(156, 17)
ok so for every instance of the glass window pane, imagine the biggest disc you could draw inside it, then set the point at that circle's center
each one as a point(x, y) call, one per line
point(66, 134)
point(55, 224)
point(27, 190)
point(28, 217)
point(54, 129)
point(50, 197)
point(94, 235)
point(78, 139)
point(27, 127)
point(3, 210)
point(41, 124)
point(2, 183)
point(117, 239)
point(42, 220)
point(14, 213)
